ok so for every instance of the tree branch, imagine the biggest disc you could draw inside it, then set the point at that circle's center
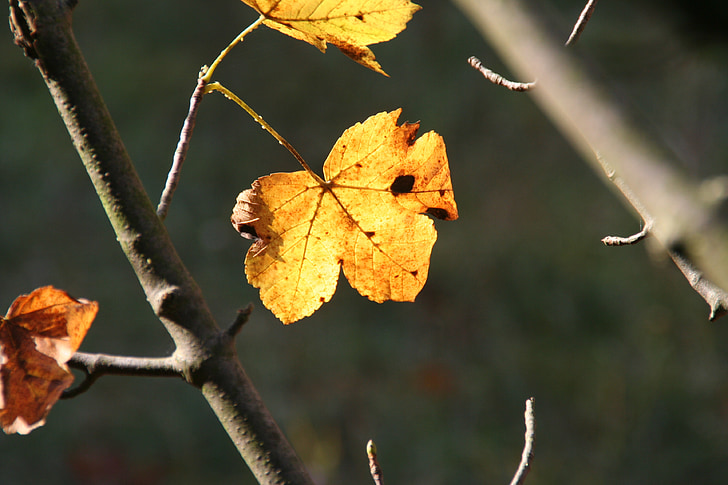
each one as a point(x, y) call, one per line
point(624, 241)
point(43, 29)
point(97, 365)
point(497, 79)
point(581, 22)
point(599, 130)
point(180, 153)
point(374, 469)
point(525, 466)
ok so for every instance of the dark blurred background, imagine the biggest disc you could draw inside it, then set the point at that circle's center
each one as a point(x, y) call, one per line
point(630, 379)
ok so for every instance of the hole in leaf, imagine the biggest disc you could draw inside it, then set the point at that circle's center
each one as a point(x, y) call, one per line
point(247, 231)
point(437, 212)
point(403, 184)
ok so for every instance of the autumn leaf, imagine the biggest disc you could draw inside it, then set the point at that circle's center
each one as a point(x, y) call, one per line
point(38, 335)
point(366, 216)
point(350, 25)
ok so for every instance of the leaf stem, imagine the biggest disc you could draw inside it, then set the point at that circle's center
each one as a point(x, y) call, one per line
point(216, 86)
point(207, 77)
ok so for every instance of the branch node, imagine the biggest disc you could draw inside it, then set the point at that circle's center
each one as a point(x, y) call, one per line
point(525, 466)
point(240, 320)
point(374, 468)
point(496, 78)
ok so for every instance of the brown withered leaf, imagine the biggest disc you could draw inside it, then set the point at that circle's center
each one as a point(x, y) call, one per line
point(350, 25)
point(38, 335)
point(367, 216)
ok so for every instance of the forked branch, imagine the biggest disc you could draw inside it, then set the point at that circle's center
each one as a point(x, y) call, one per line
point(97, 365)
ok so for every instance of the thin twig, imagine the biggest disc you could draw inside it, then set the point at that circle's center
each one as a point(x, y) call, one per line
point(624, 241)
point(181, 152)
point(527, 454)
point(496, 78)
point(97, 365)
point(580, 24)
point(374, 468)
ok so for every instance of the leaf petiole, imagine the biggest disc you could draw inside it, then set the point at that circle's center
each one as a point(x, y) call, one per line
point(216, 86)
point(208, 75)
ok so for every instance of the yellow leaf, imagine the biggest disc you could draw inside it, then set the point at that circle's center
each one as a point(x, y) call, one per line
point(366, 216)
point(350, 25)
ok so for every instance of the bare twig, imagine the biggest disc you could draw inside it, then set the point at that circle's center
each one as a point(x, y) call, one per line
point(97, 365)
point(181, 152)
point(624, 241)
point(497, 78)
point(527, 455)
point(580, 24)
point(374, 467)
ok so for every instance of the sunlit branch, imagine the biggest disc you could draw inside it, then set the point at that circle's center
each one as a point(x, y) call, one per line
point(525, 466)
point(581, 22)
point(624, 241)
point(181, 152)
point(496, 78)
point(713, 295)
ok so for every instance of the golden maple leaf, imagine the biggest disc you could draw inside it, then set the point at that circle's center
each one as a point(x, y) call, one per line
point(38, 335)
point(350, 25)
point(366, 216)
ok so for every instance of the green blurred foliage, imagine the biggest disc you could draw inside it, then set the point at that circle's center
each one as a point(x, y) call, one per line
point(630, 379)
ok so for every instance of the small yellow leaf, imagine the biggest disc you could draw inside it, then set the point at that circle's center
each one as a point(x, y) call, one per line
point(366, 217)
point(350, 25)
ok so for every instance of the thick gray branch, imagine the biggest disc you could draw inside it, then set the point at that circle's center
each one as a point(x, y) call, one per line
point(606, 137)
point(43, 29)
